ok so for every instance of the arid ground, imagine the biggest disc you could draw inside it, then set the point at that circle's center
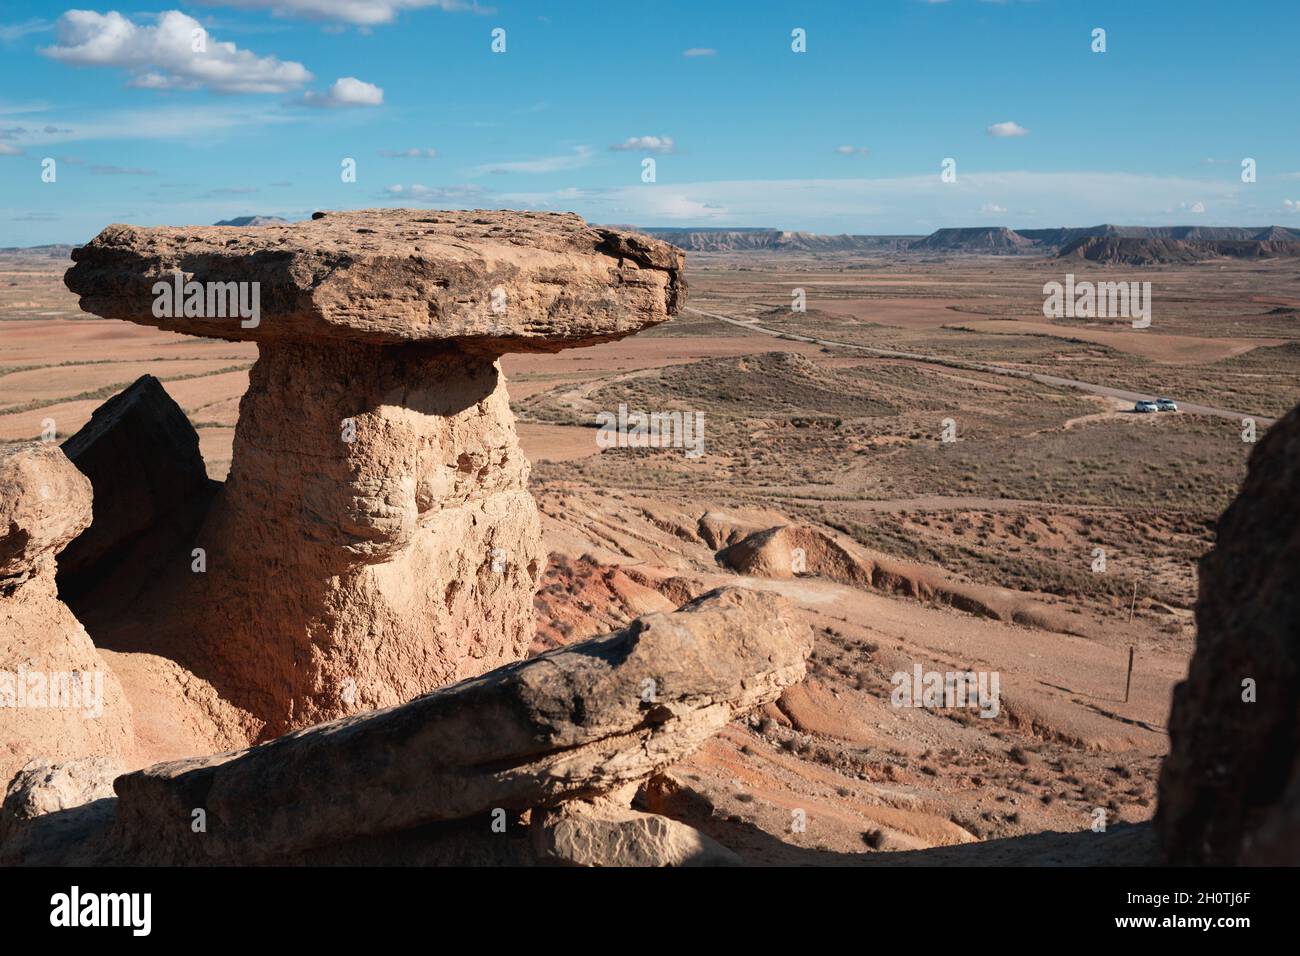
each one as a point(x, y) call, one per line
point(1053, 534)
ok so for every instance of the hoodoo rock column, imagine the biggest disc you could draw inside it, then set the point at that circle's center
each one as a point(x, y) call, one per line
point(375, 538)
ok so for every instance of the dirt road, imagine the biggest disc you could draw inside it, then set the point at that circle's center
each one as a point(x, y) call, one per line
point(1090, 387)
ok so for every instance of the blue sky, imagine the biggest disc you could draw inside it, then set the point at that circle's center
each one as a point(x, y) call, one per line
point(845, 137)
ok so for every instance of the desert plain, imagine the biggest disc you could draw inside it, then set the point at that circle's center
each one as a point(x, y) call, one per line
point(1020, 519)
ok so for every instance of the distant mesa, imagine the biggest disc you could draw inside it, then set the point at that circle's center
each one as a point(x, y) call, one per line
point(59, 251)
point(1121, 250)
point(1121, 245)
point(988, 239)
point(1106, 244)
point(253, 221)
point(773, 240)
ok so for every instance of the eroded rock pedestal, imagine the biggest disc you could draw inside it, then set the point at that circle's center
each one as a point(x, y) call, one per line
point(384, 545)
point(375, 537)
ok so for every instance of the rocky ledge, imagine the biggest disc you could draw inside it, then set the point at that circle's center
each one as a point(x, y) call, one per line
point(536, 762)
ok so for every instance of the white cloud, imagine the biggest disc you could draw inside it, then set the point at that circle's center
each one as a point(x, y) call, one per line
point(100, 169)
point(7, 150)
point(581, 156)
point(460, 193)
point(171, 123)
point(1195, 207)
point(700, 51)
point(14, 109)
point(164, 56)
point(852, 150)
point(412, 153)
point(1006, 129)
point(358, 12)
point(347, 91)
point(992, 209)
point(646, 144)
point(16, 31)
point(1291, 205)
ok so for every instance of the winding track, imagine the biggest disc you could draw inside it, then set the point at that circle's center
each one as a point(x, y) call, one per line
point(1095, 389)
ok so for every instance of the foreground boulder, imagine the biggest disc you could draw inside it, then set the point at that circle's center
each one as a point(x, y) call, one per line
point(605, 832)
point(71, 799)
point(578, 728)
point(788, 551)
point(375, 537)
point(1230, 787)
point(44, 504)
point(58, 698)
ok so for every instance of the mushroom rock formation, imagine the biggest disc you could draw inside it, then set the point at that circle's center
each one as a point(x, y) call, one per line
point(58, 698)
point(1230, 787)
point(375, 537)
point(568, 736)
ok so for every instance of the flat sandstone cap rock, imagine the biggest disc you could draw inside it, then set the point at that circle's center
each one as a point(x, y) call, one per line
point(492, 281)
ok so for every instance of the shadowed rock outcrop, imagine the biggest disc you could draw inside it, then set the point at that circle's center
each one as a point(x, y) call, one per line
point(57, 696)
point(141, 455)
point(1230, 787)
point(567, 736)
point(375, 537)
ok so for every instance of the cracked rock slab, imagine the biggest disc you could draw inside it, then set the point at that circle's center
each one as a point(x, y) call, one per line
point(571, 724)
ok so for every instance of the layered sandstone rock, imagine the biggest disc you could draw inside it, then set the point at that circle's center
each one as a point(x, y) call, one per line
point(58, 698)
point(493, 281)
point(566, 737)
point(375, 537)
point(1230, 787)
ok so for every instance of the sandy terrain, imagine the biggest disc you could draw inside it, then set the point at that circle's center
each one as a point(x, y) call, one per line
point(1158, 347)
point(845, 435)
